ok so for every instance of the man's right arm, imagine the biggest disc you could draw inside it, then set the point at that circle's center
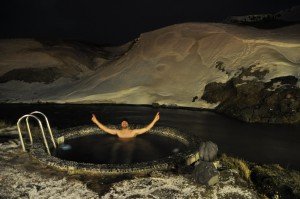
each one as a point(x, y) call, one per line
point(103, 127)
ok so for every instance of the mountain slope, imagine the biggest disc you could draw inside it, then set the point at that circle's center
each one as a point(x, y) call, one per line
point(172, 65)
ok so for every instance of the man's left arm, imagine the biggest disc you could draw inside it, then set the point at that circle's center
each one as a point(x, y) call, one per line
point(148, 127)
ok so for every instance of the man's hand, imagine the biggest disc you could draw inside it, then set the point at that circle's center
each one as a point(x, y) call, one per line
point(156, 117)
point(94, 119)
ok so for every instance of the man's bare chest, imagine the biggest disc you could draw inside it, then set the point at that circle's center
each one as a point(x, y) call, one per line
point(126, 134)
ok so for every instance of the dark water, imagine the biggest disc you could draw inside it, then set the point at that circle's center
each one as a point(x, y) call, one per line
point(254, 142)
point(104, 149)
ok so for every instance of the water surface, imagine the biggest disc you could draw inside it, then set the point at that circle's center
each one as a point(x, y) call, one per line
point(107, 149)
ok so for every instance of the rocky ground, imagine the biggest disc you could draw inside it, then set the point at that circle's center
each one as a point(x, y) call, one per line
point(21, 177)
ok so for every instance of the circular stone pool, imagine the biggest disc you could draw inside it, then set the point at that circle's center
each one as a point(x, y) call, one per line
point(87, 149)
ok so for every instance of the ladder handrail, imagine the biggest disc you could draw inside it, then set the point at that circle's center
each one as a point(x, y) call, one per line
point(29, 131)
point(48, 125)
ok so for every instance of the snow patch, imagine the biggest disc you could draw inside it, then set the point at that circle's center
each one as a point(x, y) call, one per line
point(178, 187)
point(31, 185)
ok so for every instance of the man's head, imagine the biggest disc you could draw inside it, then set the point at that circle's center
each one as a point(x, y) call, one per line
point(124, 124)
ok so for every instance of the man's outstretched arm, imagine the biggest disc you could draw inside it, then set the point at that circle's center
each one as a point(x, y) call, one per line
point(104, 128)
point(148, 127)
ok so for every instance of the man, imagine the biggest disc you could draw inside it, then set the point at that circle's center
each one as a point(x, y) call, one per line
point(125, 132)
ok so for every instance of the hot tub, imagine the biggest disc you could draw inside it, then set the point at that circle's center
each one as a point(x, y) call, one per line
point(87, 149)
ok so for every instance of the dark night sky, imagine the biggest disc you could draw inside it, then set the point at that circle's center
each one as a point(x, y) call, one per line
point(117, 21)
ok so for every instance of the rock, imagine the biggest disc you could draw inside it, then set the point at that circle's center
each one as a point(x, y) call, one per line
point(248, 97)
point(205, 173)
point(276, 182)
point(45, 75)
point(208, 151)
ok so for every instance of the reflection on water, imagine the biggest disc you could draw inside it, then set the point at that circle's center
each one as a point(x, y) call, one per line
point(104, 149)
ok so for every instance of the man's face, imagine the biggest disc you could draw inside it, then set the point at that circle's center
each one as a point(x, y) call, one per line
point(124, 124)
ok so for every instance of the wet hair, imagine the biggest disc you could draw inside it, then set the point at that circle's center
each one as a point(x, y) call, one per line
point(124, 119)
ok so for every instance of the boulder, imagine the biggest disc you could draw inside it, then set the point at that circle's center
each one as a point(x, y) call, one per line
point(250, 98)
point(208, 151)
point(205, 173)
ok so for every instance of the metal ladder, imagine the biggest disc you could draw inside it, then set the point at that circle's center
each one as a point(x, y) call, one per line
point(32, 115)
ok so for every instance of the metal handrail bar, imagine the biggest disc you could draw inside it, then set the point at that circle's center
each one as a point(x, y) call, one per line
point(48, 125)
point(29, 131)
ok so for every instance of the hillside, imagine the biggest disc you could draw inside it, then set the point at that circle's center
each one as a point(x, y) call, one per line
point(206, 65)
